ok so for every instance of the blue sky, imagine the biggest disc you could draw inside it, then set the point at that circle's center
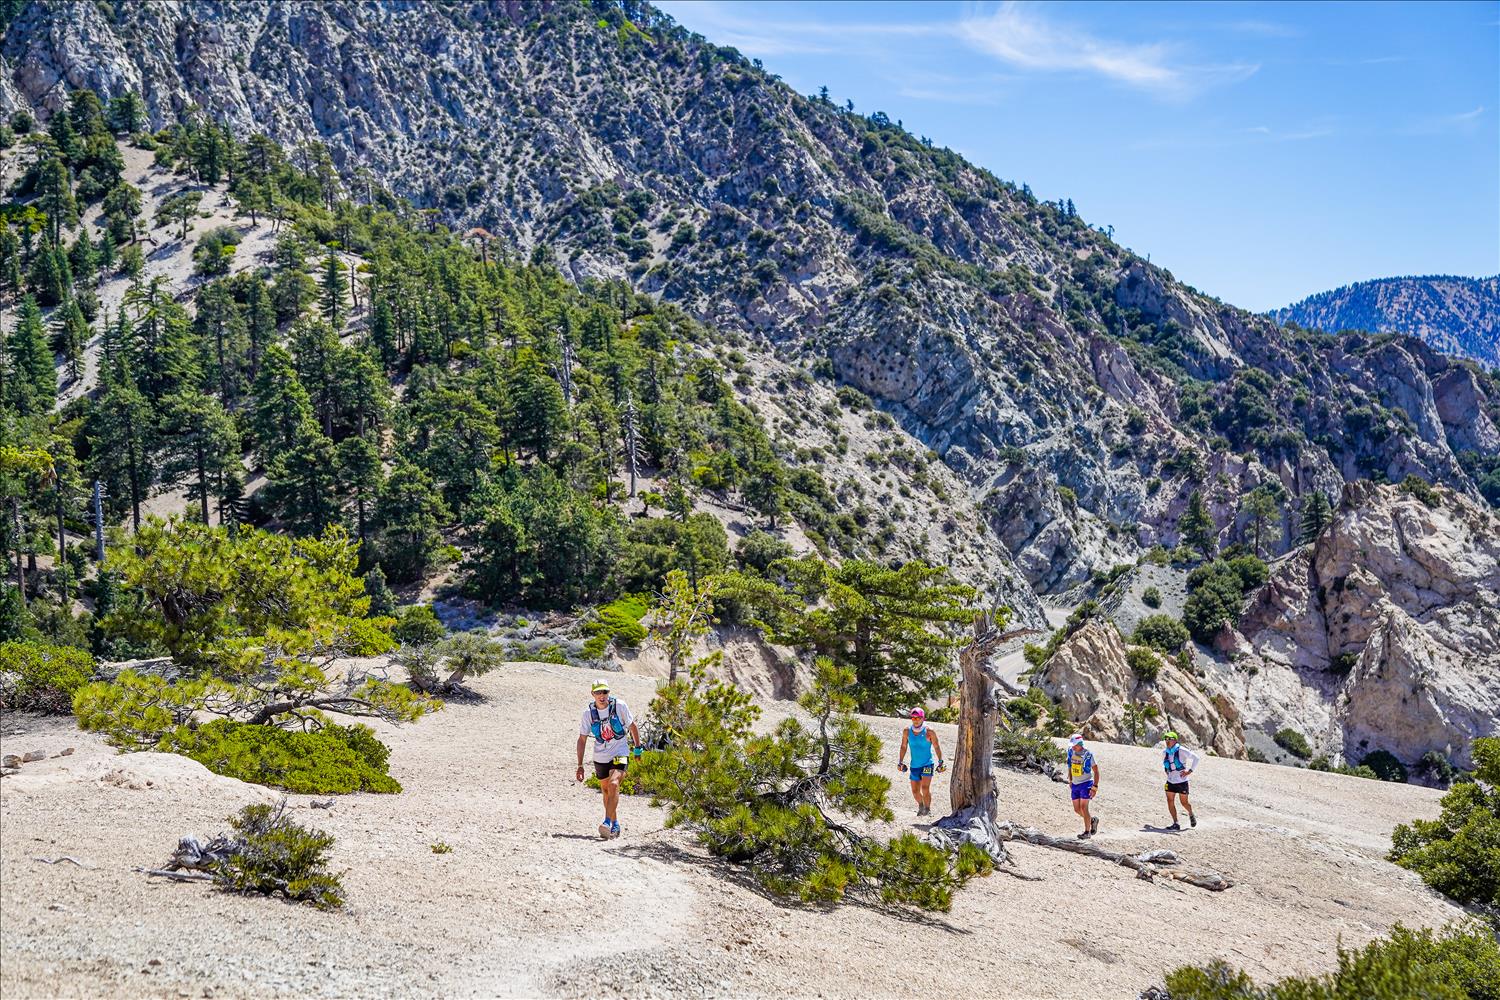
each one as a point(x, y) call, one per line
point(1260, 151)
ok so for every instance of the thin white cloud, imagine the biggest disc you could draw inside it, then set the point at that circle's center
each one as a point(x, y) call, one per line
point(1465, 122)
point(1264, 29)
point(1020, 36)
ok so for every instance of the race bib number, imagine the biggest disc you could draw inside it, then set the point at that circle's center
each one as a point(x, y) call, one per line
point(1077, 771)
point(620, 760)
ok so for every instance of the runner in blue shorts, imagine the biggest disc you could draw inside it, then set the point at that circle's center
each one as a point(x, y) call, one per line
point(1083, 783)
point(923, 744)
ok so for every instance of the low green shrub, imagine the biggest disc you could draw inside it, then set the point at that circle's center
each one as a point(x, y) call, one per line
point(332, 760)
point(1386, 766)
point(619, 621)
point(276, 855)
point(417, 625)
point(1026, 750)
point(1418, 487)
point(1293, 743)
point(1460, 963)
point(1151, 597)
point(1143, 662)
point(1162, 633)
point(47, 676)
point(1458, 854)
point(1322, 763)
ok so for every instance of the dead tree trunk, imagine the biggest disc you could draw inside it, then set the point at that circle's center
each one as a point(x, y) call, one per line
point(1147, 865)
point(973, 790)
point(978, 716)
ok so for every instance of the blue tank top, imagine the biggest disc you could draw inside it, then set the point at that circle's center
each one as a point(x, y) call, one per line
point(919, 745)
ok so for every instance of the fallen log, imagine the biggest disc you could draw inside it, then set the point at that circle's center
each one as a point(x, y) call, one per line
point(177, 876)
point(1147, 865)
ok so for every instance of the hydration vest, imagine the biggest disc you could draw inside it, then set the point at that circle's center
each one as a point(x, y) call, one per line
point(1171, 760)
point(1081, 772)
point(616, 730)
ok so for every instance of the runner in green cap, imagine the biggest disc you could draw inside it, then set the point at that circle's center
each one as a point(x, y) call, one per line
point(1178, 761)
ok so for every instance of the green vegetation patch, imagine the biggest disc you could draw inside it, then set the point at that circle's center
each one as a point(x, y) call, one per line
point(47, 676)
point(333, 760)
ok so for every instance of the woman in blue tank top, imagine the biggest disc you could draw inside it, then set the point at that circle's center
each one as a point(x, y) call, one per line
point(922, 742)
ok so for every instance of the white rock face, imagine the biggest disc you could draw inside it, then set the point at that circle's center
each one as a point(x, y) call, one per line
point(1385, 633)
point(1090, 678)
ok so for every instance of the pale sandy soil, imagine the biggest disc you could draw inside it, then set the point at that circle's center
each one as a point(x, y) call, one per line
point(529, 903)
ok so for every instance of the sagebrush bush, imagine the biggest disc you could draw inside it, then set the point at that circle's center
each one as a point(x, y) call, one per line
point(277, 856)
point(1460, 963)
point(332, 760)
point(1151, 597)
point(47, 676)
point(620, 621)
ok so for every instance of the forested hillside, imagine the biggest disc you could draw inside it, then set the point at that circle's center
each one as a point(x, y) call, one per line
point(1080, 394)
point(539, 302)
point(340, 363)
point(1455, 315)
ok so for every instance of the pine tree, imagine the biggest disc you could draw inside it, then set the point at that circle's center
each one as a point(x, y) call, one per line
point(70, 333)
point(126, 113)
point(538, 418)
point(1262, 506)
point(54, 194)
point(889, 626)
point(1317, 514)
point(360, 474)
point(201, 444)
point(33, 381)
point(1196, 527)
point(303, 485)
point(50, 278)
point(121, 428)
point(181, 208)
point(408, 516)
point(281, 405)
point(335, 289)
point(10, 260)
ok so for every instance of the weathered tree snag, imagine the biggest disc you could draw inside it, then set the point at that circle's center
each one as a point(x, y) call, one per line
point(979, 710)
point(973, 789)
point(1146, 865)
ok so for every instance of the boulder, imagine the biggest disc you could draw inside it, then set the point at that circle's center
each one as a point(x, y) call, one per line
point(1091, 679)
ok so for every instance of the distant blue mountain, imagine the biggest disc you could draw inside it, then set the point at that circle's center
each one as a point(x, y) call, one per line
point(1458, 316)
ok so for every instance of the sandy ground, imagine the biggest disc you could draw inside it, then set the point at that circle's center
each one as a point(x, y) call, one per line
point(529, 903)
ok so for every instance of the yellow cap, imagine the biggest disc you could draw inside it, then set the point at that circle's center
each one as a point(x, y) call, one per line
point(600, 684)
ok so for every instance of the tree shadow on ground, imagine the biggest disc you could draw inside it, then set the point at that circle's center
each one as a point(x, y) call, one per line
point(739, 876)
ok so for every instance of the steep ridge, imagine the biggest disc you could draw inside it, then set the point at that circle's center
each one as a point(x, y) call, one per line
point(1078, 393)
point(1384, 634)
point(1454, 315)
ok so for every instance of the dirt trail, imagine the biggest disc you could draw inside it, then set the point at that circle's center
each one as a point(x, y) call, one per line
point(529, 903)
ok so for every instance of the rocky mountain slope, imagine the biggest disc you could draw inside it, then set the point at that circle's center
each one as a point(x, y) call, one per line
point(1454, 315)
point(1076, 394)
point(1384, 633)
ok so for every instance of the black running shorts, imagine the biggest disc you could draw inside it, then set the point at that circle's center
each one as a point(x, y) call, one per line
point(1180, 787)
point(601, 771)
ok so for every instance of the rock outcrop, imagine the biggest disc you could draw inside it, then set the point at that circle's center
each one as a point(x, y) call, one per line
point(1384, 633)
point(1092, 681)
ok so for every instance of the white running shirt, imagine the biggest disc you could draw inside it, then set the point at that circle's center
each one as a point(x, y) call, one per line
point(607, 750)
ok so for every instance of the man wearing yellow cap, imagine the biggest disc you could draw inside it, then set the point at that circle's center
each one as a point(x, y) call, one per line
point(607, 720)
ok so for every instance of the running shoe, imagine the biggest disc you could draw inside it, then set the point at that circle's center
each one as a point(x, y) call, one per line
point(1094, 824)
point(1192, 819)
point(605, 829)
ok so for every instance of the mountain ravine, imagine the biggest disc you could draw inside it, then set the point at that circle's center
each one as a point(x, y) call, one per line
point(1077, 395)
